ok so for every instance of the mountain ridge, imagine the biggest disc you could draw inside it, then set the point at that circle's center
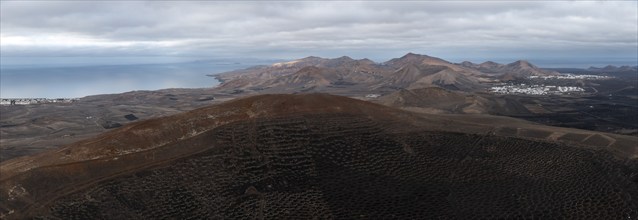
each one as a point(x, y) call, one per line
point(395, 73)
point(612, 68)
point(516, 69)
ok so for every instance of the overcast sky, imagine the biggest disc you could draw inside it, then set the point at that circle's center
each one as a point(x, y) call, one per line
point(545, 31)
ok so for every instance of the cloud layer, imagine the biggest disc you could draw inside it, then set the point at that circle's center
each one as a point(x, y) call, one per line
point(379, 30)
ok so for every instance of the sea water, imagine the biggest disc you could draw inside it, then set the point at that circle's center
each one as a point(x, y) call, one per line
point(73, 80)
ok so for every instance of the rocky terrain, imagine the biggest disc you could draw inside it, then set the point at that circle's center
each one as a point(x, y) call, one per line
point(439, 100)
point(414, 82)
point(230, 152)
point(326, 156)
point(314, 74)
point(464, 85)
point(518, 69)
point(30, 129)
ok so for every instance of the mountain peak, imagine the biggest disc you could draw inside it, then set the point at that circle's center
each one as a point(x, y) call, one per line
point(490, 63)
point(366, 60)
point(467, 63)
point(610, 67)
point(412, 55)
point(521, 63)
point(341, 60)
point(417, 59)
point(311, 60)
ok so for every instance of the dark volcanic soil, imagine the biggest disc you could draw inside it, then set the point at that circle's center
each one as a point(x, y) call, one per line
point(348, 167)
point(613, 114)
point(32, 129)
point(322, 156)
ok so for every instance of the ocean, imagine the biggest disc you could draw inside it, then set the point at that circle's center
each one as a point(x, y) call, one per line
point(79, 79)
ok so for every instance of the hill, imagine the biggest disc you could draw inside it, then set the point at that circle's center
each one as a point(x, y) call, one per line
point(514, 70)
point(294, 75)
point(348, 75)
point(614, 69)
point(438, 100)
point(317, 155)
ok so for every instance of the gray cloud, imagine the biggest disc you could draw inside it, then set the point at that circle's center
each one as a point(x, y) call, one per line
point(456, 30)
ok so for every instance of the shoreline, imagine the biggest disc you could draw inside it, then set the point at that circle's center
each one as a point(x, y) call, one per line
point(35, 84)
point(41, 100)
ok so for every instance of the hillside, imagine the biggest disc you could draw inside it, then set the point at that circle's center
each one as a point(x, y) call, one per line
point(318, 155)
point(517, 69)
point(438, 100)
point(350, 75)
point(295, 74)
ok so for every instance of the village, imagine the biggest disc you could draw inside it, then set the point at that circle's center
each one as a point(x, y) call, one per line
point(533, 86)
point(535, 89)
point(30, 101)
point(572, 76)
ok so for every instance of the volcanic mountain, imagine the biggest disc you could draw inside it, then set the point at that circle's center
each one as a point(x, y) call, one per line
point(325, 156)
point(425, 60)
point(303, 74)
point(346, 74)
point(448, 78)
point(488, 67)
point(612, 68)
point(518, 69)
point(420, 71)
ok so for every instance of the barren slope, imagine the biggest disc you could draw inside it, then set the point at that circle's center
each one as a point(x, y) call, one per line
point(517, 69)
point(349, 75)
point(302, 74)
point(316, 155)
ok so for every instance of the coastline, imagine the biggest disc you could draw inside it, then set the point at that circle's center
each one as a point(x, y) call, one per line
point(78, 82)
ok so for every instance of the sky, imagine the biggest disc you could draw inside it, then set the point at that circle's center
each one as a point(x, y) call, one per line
point(547, 32)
